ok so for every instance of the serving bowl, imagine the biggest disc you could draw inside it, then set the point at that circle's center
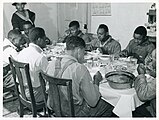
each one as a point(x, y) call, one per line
point(120, 79)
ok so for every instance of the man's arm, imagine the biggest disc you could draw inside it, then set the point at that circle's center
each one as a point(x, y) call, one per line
point(86, 38)
point(90, 91)
point(146, 90)
point(116, 48)
point(126, 52)
point(150, 48)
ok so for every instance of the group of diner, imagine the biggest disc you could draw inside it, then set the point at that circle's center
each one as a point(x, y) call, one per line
point(26, 43)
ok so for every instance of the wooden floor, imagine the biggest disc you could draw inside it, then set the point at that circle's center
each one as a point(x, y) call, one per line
point(10, 110)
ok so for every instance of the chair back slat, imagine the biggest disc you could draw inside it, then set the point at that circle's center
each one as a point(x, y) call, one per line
point(60, 93)
point(21, 73)
point(19, 80)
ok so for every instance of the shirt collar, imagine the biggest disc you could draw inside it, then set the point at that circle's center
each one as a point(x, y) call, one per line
point(79, 33)
point(8, 42)
point(108, 40)
point(146, 42)
point(36, 47)
point(69, 57)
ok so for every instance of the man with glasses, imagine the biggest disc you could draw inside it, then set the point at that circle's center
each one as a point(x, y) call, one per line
point(139, 47)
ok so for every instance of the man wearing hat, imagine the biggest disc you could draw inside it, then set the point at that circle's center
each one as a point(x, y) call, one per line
point(21, 15)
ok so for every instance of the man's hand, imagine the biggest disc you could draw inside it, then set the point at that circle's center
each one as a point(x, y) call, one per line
point(97, 78)
point(116, 56)
point(141, 69)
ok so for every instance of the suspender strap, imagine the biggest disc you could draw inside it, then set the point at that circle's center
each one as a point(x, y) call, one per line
point(58, 70)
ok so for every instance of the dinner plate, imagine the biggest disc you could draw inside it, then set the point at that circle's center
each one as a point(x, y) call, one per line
point(60, 44)
point(104, 57)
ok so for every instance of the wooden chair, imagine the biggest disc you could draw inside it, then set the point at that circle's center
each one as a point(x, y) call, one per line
point(61, 103)
point(20, 72)
point(9, 88)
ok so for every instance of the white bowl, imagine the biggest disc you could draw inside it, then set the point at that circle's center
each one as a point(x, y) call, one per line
point(104, 57)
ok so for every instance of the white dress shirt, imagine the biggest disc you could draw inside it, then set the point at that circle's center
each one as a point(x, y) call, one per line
point(37, 62)
point(10, 50)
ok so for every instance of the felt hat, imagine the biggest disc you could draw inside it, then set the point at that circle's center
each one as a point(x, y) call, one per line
point(14, 4)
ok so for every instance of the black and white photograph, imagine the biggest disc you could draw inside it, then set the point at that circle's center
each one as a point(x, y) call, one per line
point(79, 59)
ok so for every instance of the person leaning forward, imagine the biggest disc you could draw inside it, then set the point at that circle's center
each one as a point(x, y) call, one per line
point(37, 61)
point(11, 47)
point(106, 44)
point(145, 86)
point(86, 95)
point(139, 47)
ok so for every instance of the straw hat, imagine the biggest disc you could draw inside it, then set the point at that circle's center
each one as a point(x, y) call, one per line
point(14, 4)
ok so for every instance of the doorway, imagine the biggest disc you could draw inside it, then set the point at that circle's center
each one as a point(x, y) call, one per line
point(72, 11)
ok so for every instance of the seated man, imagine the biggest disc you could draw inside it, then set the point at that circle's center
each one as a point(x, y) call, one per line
point(145, 87)
point(139, 47)
point(74, 30)
point(11, 47)
point(107, 45)
point(37, 61)
point(86, 95)
point(27, 26)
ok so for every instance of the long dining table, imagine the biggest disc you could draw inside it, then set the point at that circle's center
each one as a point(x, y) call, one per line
point(124, 100)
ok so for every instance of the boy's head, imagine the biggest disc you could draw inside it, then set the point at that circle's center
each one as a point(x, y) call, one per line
point(74, 28)
point(140, 34)
point(27, 26)
point(102, 32)
point(38, 37)
point(76, 47)
point(15, 37)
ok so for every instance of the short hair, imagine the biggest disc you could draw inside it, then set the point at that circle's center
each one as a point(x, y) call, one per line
point(141, 30)
point(73, 42)
point(74, 23)
point(14, 32)
point(104, 27)
point(36, 33)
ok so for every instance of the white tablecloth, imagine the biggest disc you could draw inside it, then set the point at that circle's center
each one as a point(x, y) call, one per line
point(124, 101)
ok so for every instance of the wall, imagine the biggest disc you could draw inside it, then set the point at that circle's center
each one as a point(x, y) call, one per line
point(46, 17)
point(124, 19)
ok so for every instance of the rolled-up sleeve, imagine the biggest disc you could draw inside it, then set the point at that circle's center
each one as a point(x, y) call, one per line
point(116, 48)
point(43, 63)
point(146, 90)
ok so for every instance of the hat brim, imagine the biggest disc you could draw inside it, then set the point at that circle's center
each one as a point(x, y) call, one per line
point(14, 4)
